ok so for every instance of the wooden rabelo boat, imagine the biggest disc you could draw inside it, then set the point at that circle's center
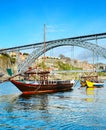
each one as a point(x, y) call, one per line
point(42, 84)
point(91, 81)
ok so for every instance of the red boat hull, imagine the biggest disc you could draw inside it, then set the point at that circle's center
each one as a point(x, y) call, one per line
point(26, 88)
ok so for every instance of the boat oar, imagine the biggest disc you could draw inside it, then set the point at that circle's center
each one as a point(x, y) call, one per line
point(9, 78)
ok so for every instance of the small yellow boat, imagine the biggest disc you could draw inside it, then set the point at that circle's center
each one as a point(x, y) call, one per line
point(91, 81)
point(83, 83)
point(89, 84)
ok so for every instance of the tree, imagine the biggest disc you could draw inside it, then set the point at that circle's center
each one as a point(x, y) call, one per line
point(61, 56)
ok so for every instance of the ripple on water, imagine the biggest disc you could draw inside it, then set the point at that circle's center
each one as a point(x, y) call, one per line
point(78, 109)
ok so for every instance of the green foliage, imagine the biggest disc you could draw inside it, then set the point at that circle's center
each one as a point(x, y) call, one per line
point(66, 66)
point(5, 61)
point(5, 55)
point(6, 58)
point(42, 65)
point(63, 66)
point(101, 73)
point(75, 68)
point(25, 54)
point(13, 60)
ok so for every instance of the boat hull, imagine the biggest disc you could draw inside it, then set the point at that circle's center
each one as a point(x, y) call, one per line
point(27, 88)
point(83, 83)
point(93, 84)
point(98, 84)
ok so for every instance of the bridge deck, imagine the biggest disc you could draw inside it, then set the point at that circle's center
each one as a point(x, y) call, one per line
point(35, 45)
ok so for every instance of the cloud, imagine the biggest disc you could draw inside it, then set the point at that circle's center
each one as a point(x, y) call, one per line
point(56, 28)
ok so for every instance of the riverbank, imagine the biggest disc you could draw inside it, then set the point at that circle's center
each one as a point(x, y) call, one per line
point(102, 78)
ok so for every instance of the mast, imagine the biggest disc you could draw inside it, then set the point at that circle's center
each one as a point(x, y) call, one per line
point(44, 41)
point(97, 66)
point(94, 65)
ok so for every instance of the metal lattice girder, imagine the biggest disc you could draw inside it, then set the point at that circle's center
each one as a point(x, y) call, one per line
point(36, 45)
point(98, 50)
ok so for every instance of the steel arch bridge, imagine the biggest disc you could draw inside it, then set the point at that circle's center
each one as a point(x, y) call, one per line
point(98, 50)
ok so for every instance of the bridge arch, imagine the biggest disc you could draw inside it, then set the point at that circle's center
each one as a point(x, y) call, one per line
point(98, 50)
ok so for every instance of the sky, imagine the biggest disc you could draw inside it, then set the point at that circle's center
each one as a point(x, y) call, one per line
point(22, 21)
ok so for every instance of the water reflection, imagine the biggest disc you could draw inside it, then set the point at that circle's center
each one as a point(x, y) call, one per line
point(18, 102)
point(21, 102)
point(90, 94)
point(90, 91)
point(34, 102)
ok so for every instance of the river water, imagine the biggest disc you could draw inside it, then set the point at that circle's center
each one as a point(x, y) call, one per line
point(78, 109)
